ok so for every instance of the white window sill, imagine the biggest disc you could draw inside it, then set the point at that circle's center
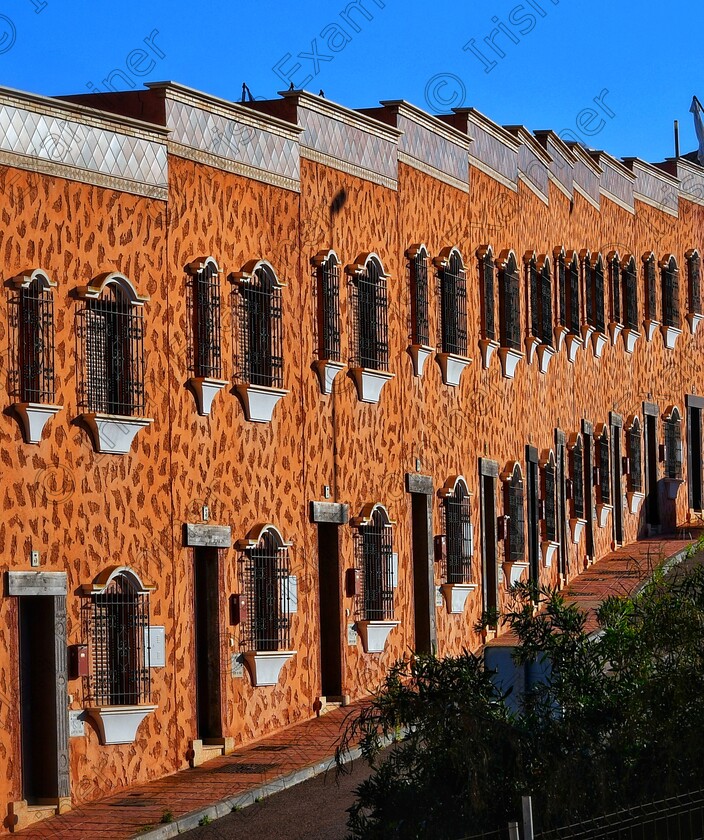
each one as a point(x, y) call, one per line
point(119, 724)
point(113, 434)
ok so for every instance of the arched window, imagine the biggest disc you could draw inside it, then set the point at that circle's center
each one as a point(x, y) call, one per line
point(485, 255)
point(327, 271)
point(509, 301)
point(453, 302)
point(694, 287)
point(604, 465)
point(111, 339)
point(119, 627)
point(515, 509)
point(374, 546)
point(458, 531)
point(670, 291)
point(573, 304)
point(550, 498)
point(615, 287)
point(203, 300)
point(635, 458)
point(577, 470)
point(561, 282)
point(369, 310)
point(418, 270)
point(594, 291)
point(672, 422)
point(31, 375)
point(533, 284)
point(545, 300)
point(630, 293)
point(649, 279)
point(259, 322)
point(266, 571)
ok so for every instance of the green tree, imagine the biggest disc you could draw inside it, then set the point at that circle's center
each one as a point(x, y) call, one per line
point(617, 719)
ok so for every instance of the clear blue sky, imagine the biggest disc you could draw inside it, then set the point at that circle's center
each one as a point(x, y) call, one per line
point(557, 56)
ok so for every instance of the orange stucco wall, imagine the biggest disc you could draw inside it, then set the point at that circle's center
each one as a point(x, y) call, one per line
point(84, 512)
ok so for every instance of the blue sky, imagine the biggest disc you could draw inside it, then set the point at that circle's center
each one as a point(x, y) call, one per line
point(549, 60)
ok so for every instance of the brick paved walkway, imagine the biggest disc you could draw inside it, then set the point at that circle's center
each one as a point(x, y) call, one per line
point(308, 743)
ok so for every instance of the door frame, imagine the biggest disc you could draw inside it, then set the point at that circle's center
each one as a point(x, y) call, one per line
point(488, 471)
point(533, 513)
point(692, 404)
point(422, 485)
point(589, 506)
point(562, 513)
point(53, 585)
point(651, 410)
point(616, 434)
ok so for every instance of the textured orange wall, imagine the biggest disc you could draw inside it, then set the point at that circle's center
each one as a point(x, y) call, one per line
point(85, 512)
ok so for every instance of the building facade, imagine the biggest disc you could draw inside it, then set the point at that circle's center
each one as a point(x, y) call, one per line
point(291, 390)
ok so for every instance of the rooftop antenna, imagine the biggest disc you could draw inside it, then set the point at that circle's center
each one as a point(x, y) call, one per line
point(246, 93)
point(677, 138)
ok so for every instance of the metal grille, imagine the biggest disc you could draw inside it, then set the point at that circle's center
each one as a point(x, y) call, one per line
point(120, 628)
point(375, 561)
point(266, 580)
point(573, 296)
point(597, 296)
point(458, 529)
point(635, 469)
point(673, 447)
point(604, 470)
point(369, 304)
point(509, 304)
point(111, 343)
point(630, 295)
point(329, 310)
point(204, 298)
point(546, 304)
point(550, 501)
point(31, 376)
point(670, 294)
point(577, 457)
point(561, 289)
point(587, 285)
point(516, 524)
point(650, 293)
point(694, 283)
point(615, 277)
point(453, 306)
point(534, 298)
point(260, 323)
point(487, 277)
point(419, 298)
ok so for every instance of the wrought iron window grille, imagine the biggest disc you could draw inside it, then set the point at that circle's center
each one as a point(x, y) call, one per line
point(452, 289)
point(573, 301)
point(204, 319)
point(561, 282)
point(265, 570)
point(515, 508)
point(119, 630)
point(31, 377)
point(110, 337)
point(458, 532)
point(670, 292)
point(577, 465)
point(615, 284)
point(509, 303)
point(549, 496)
point(594, 288)
point(650, 287)
point(487, 280)
point(420, 296)
point(327, 290)
point(630, 294)
point(635, 465)
point(604, 463)
point(369, 308)
point(673, 444)
point(694, 281)
point(258, 326)
point(374, 560)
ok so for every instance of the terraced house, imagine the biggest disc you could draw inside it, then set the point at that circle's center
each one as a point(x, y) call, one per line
point(290, 389)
